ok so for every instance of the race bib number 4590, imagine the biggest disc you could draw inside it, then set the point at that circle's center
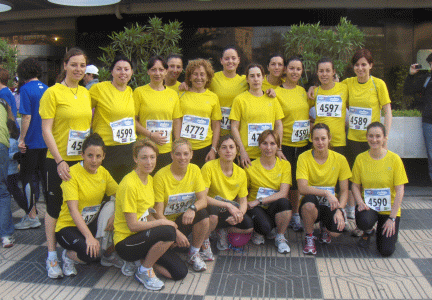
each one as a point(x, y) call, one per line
point(378, 199)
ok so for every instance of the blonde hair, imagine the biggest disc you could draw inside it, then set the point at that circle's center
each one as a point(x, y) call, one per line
point(196, 63)
point(180, 141)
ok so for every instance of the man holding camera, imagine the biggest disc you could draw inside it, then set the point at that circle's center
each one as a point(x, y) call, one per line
point(421, 83)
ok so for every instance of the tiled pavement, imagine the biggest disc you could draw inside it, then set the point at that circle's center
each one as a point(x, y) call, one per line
point(340, 270)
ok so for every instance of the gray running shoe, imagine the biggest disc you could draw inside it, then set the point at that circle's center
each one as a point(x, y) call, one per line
point(68, 265)
point(222, 241)
point(112, 261)
point(129, 268)
point(27, 223)
point(197, 262)
point(149, 280)
point(282, 245)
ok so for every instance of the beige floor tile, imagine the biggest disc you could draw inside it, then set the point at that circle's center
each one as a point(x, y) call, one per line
point(17, 252)
point(417, 243)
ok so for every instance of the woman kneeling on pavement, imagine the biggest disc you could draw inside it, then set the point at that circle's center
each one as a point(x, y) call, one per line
point(181, 196)
point(137, 235)
point(318, 172)
point(269, 180)
point(381, 175)
point(82, 209)
point(227, 193)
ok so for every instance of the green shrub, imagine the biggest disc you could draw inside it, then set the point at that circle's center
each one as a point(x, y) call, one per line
point(139, 43)
point(8, 59)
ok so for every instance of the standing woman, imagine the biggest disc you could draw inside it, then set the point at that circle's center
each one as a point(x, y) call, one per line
point(330, 100)
point(275, 67)
point(318, 172)
point(201, 112)
point(252, 113)
point(378, 188)
point(114, 117)
point(137, 235)
point(296, 126)
point(227, 84)
point(226, 184)
point(157, 109)
point(269, 180)
point(181, 196)
point(175, 68)
point(65, 109)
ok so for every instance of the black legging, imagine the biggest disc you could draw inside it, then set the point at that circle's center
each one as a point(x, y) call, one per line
point(247, 222)
point(136, 247)
point(325, 214)
point(366, 219)
point(265, 219)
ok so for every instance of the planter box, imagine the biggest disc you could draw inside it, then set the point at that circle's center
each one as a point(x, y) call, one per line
point(406, 137)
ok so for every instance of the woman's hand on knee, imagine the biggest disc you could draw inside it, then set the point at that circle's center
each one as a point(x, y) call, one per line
point(93, 247)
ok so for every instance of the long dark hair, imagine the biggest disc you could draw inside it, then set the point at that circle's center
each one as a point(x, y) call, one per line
point(75, 51)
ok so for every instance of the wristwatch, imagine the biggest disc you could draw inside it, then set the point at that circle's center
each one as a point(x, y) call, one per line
point(193, 207)
point(260, 201)
point(393, 219)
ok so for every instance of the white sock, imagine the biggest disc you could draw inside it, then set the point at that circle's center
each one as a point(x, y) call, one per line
point(279, 236)
point(193, 250)
point(143, 269)
point(52, 255)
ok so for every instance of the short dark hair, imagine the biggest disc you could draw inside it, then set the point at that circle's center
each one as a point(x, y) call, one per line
point(93, 139)
point(360, 54)
point(117, 58)
point(152, 61)
point(29, 68)
point(4, 76)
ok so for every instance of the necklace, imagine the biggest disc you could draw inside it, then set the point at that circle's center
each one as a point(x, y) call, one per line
point(75, 94)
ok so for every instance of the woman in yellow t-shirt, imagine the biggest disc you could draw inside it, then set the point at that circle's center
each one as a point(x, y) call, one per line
point(330, 100)
point(226, 184)
point(378, 188)
point(157, 109)
point(114, 117)
point(137, 235)
point(275, 67)
point(65, 109)
point(227, 84)
point(181, 196)
point(318, 172)
point(252, 113)
point(269, 180)
point(201, 111)
point(296, 126)
point(82, 209)
point(175, 68)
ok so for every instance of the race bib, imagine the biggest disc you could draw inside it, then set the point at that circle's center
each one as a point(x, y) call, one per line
point(225, 122)
point(265, 192)
point(75, 141)
point(223, 209)
point(359, 118)
point(123, 131)
point(143, 218)
point(329, 106)
point(164, 127)
point(89, 213)
point(300, 131)
point(179, 203)
point(194, 127)
point(255, 130)
point(378, 199)
point(323, 200)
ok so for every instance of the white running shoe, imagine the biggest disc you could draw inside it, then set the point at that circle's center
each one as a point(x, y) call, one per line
point(7, 241)
point(149, 280)
point(53, 268)
point(206, 251)
point(257, 238)
point(222, 243)
point(112, 261)
point(68, 265)
point(198, 264)
point(282, 245)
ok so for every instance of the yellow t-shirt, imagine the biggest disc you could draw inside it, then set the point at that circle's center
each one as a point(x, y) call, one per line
point(112, 105)
point(132, 197)
point(335, 169)
point(175, 87)
point(68, 113)
point(227, 89)
point(203, 105)
point(89, 189)
point(177, 195)
point(387, 172)
point(260, 178)
point(365, 103)
point(152, 106)
point(219, 184)
point(295, 106)
point(332, 105)
point(266, 85)
point(254, 114)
